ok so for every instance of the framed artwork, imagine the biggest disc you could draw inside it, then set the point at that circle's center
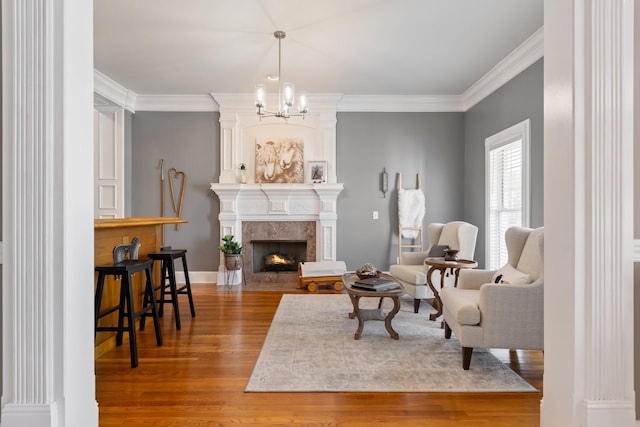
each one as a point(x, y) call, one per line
point(280, 160)
point(318, 171)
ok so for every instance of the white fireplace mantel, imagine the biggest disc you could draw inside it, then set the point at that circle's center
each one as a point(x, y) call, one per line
point(281, 202)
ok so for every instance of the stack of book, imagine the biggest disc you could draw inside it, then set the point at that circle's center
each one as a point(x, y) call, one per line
point(376, 284)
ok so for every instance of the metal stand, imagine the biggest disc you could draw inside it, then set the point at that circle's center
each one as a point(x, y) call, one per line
point(230, 275)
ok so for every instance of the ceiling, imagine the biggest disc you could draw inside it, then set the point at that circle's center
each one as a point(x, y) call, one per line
point(354, 47)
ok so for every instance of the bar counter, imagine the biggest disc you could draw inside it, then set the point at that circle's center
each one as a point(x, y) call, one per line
point(108, 233)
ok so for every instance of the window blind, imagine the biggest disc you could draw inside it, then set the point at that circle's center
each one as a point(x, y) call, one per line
point(505, 198)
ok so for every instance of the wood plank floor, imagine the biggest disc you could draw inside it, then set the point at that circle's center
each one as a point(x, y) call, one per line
point(197, 379)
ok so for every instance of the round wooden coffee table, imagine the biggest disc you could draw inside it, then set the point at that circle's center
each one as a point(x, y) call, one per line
point(438, 263)
point(363, 314)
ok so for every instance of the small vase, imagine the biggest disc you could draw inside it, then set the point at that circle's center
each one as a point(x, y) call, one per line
point(242, 178)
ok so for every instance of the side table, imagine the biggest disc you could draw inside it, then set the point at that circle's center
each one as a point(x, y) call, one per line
point(438, 263)
point(372, 314)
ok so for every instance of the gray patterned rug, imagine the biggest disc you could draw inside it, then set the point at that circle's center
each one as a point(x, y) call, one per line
point(310, 347)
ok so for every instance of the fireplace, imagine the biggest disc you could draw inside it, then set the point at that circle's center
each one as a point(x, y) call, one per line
point(274, 203)
point(279, 212)
point(277, 255)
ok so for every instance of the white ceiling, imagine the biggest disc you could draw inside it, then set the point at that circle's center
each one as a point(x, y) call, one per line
point(353, 47)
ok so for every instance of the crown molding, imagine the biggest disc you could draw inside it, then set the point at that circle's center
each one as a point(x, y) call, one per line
point(113, 92)
point(175, 103)
point(100, 101)
point(400, 103)
point(513, 64)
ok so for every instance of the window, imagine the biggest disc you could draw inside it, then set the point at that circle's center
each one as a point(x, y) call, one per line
point(506, 188)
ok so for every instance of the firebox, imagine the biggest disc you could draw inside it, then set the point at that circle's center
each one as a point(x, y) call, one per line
point(277, 255)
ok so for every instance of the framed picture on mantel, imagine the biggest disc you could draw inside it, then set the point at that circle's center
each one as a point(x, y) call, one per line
point(317, 171)
point(280, 160)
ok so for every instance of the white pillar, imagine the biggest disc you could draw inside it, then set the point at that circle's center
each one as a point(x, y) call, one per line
point(588, 378)
point(326, 240)
point(47, 219)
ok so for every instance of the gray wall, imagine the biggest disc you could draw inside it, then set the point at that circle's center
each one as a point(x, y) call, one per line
point(189, 142)
point(430, 144)
point(447, 149)
point(519, 99)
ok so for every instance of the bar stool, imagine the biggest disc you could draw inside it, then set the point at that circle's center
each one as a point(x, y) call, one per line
point(167, 256)
point(124, 271)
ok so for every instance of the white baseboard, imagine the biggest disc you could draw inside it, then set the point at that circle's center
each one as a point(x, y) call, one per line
point(208, 277)
point(198, 277)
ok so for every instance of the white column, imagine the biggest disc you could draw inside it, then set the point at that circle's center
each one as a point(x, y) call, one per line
point(230, 223)
point(327, 221)
point(588, 378)
point(47, 307)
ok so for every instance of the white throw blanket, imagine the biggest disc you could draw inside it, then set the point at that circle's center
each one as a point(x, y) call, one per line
point(323, 268)
point(411, 209)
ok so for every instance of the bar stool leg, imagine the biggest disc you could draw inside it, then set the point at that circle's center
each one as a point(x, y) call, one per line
point(188, 285)
point(98, 302)
point(163, 285)
point(133, 345)
point(174, 293)
point(154, 306)
point(121, 310)
point(145, 303)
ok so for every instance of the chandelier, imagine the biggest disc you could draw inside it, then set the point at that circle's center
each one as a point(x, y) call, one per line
point(286, 96)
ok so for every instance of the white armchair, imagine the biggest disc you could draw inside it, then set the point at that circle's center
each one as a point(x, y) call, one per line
point(411, 271)
point(509, 314)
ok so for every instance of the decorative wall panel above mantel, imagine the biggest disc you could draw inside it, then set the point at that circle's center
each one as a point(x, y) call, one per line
point(241, 131)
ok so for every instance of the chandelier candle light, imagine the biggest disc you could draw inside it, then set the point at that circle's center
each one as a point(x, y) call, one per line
point(286, 95)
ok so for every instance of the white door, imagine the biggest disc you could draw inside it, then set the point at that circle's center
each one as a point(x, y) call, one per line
point(108, 126)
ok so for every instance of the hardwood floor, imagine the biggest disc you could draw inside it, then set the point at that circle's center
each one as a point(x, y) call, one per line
point(197, 378)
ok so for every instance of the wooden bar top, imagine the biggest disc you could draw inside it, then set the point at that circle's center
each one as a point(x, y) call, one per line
point(136, 221)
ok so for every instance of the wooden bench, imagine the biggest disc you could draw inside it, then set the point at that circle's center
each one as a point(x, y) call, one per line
point(312, 274)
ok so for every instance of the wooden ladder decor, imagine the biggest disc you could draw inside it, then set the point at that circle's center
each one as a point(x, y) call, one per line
point(418, 242)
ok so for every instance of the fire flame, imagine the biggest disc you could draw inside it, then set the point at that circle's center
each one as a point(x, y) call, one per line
point(278, 259)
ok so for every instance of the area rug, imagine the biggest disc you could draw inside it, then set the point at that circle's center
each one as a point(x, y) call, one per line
point(310, 347)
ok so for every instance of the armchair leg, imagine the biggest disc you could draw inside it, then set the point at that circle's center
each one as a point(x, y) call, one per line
point(447, 331)
point(466, 357)
point(416, 305)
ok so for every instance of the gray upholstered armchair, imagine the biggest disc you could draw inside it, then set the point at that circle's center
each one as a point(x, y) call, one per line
point(508, 314)
point(411, 271)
